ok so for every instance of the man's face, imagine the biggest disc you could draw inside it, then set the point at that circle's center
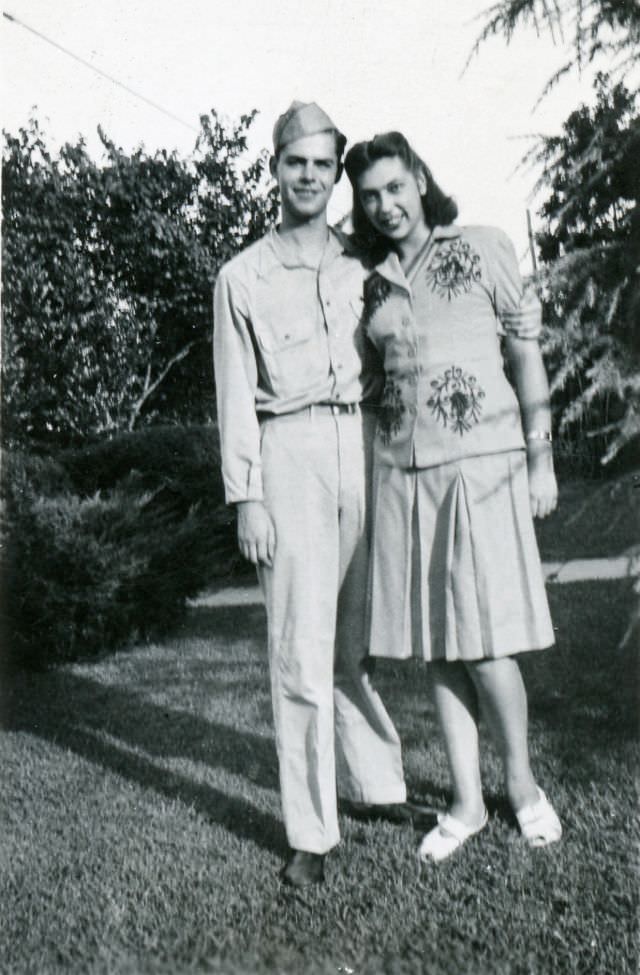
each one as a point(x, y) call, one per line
point(306, 170)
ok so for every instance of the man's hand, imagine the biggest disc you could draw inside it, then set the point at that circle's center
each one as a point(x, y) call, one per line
point(256, 533)
point(543, 488)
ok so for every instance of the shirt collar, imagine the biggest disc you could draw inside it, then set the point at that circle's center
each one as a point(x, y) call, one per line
point(281, 251)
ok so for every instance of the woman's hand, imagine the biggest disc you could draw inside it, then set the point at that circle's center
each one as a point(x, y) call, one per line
point(543, 487)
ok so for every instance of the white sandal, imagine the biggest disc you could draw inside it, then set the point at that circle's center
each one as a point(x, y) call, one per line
point(539, 823)
point(447, 837)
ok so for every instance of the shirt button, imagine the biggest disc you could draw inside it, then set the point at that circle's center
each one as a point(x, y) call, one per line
point(339, 366)
point(406, 321)
point(413, 410)
point(411, 352)
point(338, 396)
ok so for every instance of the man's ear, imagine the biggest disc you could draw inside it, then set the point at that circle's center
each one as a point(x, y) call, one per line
point(339, 171)
point(273, 166)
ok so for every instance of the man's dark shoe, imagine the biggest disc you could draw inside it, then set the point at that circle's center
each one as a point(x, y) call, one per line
point(303, 869)
point(389, 812)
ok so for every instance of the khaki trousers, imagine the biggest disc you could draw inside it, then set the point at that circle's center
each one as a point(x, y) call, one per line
point(331, 726)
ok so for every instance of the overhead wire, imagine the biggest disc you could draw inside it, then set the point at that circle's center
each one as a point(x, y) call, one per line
point(99, 71)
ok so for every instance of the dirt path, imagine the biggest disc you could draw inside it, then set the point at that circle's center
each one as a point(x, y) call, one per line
point(574, 570)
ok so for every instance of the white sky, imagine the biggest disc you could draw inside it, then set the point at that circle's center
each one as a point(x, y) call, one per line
point(372, 64)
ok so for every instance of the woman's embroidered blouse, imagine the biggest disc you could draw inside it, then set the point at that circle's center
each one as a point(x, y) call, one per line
point(446, 395)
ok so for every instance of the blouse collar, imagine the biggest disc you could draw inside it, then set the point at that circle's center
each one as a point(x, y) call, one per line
point(391, 269)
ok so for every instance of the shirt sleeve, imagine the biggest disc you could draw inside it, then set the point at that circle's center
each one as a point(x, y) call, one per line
point(236, 374)
point(518, 310)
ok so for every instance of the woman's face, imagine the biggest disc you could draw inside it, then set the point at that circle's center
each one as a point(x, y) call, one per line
point(391, 197)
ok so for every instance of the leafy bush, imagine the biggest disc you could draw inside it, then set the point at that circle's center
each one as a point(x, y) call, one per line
point(104, 544)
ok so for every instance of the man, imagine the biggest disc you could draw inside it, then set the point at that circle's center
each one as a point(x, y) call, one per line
point(292, 367)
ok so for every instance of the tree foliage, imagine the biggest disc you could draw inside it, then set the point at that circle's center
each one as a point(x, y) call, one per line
point(107, 276)
point(590, 239)
point(597, 28)
point(590, 247)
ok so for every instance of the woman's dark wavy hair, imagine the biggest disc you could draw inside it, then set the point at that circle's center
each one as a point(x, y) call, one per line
point(439, 209)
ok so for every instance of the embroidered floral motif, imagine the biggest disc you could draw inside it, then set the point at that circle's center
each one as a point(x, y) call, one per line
point(453, 268)
point(456, 400)
point(392, 410)
point(376, 291)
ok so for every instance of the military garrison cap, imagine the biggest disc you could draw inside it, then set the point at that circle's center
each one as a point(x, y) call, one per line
point(302, 119)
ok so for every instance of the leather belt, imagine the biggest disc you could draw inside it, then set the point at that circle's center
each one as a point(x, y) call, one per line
point(335, 409)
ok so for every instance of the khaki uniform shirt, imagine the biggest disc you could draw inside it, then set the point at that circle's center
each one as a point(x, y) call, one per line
point(287, 335)
point(446, 395)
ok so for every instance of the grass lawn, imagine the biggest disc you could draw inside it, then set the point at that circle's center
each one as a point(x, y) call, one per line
point(141, 827)
point(594, 518)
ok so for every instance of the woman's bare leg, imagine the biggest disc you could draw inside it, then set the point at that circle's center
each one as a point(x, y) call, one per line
point(503, 701)
point(456, 704)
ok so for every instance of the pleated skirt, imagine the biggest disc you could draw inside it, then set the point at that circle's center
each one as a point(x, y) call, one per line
point(455, 569)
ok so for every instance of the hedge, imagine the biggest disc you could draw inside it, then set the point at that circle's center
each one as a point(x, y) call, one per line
point(104, 544)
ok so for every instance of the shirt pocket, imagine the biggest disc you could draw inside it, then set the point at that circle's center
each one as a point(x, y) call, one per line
point(284, 323)
point(287, 331)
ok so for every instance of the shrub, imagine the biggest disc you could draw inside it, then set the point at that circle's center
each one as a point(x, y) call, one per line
point(103, 545)
point(184, 458)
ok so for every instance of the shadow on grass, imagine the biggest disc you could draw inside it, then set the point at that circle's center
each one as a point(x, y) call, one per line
point(123, 731)
point(583, 692)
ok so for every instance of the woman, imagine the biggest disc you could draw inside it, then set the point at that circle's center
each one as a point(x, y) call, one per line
point(456, 575)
